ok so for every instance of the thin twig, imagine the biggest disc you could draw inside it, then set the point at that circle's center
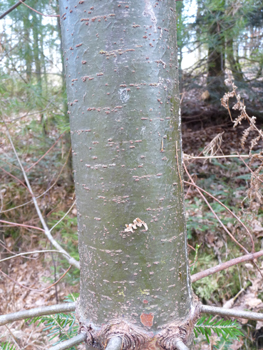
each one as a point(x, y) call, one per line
point(32, 289)
point(213, 310)
point(39, 311)
point(212, 210)
point(230, 211)
point(28, 253)
point(70, 259)
point(71, 342)
point(252, 172)
point(42, 14)
point(42, 194)
point(225, 265)
point(22, 225)
point(11, 9)
point(54, 144)
point(13, 337)
point(63, 216)
point(188, 156)
point(14, 177)
point(221, 223)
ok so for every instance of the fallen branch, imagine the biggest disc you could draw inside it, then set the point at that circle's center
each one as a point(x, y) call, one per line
point(225, 265)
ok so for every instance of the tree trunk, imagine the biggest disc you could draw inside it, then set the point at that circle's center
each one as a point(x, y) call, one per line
point(216, 57)
point(122, 85)
point(28, 50)
point(234, 63)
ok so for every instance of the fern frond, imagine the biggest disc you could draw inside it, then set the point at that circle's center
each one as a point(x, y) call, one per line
point(227, 329)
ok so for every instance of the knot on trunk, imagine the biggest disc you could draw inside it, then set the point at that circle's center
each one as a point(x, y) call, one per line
point(179, 330)
point(132, 337)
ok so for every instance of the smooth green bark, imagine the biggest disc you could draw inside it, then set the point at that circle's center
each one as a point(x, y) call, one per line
point(122, 85)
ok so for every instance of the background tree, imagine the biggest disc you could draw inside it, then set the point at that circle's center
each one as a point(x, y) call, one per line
point(222, 30)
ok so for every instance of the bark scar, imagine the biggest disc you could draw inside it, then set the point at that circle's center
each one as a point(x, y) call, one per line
point(134, 337)
point(137, 222)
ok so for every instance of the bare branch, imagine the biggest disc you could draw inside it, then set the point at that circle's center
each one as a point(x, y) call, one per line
point(70, 259)
point(22, 225)
point(225, 265)
point(180, 345)
point(36, 290)
point(216, 216)
point(213, 310)
point(230, 211)
point(42, 194)
point(42, 14)
point(70, 307)
point(189, 157)
point(71, 342)
point(11, 8)
point(39, 311)
point(28, 253)
point(54, 144)
point(114, 343)
point(63, 216)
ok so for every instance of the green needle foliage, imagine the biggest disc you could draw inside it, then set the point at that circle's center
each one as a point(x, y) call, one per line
point(227, 329)
point(63, 326)
point(7, 346)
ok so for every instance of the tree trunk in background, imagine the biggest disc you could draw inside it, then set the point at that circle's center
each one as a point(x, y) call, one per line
point(234, 63)
point(28, 51)
point(36, 50)
point(36, 21)
point(216, 57)
point(122, 85)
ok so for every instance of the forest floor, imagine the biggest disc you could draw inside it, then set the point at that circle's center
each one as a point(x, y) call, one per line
point(228, 179)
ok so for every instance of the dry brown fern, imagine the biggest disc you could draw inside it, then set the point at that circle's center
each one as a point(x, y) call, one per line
point(254, 193)
point(214, 146)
